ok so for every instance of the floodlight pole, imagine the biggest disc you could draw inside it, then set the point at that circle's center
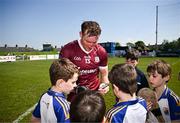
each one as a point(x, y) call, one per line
point(156, 27)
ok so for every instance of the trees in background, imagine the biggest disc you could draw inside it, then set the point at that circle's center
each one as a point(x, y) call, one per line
point(140, 45)
point(117, 44)
point(129, 44)
point(165, 46)
point(170, 46)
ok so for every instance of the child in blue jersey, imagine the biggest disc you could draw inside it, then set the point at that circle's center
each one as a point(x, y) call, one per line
point(129, 108)
point(159, 74)
point(53, 106)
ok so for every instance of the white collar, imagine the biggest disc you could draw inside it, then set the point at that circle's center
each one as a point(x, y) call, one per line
point(82, 48)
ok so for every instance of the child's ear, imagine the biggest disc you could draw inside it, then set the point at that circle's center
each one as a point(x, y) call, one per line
point(167, 78)
point(115, 87)
point(59, 82)
point(116, 90)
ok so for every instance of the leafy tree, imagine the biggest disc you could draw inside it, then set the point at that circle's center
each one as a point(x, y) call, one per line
point(141, 46)
point(178, 43)
point(129, 44)
point(118, 44)
point(173, 46)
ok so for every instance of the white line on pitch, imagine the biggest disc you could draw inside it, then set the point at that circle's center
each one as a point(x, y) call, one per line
point(24, 114)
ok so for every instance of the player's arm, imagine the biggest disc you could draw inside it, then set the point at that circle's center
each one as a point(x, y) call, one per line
point(35, 119)
point(104, 86)
point(103, 69)
point(104, 74)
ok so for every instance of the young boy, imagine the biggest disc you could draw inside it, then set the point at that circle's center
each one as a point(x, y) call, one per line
point(132, 58)
point(88, 106)
point(151, 100)
point(53, 106)
point(129, 108)
point(159, 74)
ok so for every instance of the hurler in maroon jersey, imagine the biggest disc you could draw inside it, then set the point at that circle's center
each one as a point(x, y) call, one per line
point(89, 56)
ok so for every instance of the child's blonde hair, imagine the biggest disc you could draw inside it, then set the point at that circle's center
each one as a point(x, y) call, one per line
point(149, 95)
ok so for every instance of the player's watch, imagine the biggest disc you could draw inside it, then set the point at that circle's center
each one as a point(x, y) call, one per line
point(103, 85)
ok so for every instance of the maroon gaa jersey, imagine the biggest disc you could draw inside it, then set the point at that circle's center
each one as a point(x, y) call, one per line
point(88, 62)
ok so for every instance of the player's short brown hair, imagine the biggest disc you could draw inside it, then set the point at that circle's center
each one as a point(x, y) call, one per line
point(90, 28)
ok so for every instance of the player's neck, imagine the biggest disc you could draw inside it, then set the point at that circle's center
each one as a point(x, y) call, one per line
point(85, 47)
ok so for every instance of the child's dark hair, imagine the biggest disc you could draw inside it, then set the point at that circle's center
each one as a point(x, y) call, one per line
point(124, 77)
point(88, 106)
point(132, 55)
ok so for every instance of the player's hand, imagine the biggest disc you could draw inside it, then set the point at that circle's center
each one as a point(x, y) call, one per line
point(103, 88)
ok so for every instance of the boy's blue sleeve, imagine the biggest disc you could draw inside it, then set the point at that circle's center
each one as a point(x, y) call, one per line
point(174, 105)
point(36, 111)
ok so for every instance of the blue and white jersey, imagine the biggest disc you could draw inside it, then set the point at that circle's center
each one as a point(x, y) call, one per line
point(169, 104)
point(133, 111)
point(52, 107)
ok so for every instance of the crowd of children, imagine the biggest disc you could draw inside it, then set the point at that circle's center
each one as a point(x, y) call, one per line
point(159, 104)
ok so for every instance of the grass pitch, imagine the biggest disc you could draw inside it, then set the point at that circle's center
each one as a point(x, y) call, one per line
point(23, 82)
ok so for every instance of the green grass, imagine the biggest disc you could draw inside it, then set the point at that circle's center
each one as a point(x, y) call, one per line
point(21, 85)
point(23, 82)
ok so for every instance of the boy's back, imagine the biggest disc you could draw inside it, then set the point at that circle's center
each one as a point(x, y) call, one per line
point(129, 108)
point(133, 111)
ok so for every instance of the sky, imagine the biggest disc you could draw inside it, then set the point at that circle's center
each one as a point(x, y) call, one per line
point(35, 22)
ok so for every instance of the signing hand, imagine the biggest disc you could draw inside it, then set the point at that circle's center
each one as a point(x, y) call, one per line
point(103, 88)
